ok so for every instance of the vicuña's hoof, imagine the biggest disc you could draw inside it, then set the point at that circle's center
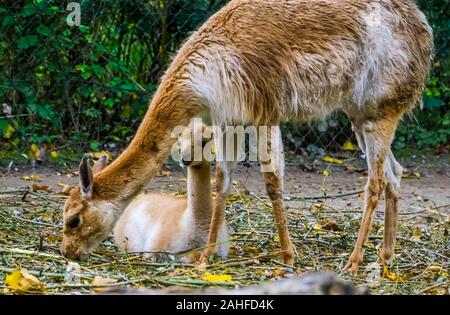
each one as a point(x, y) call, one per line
point(353, 263)
point(288, 258)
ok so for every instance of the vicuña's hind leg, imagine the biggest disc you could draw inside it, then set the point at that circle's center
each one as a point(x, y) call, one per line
point(393, 175)
point(377, 139)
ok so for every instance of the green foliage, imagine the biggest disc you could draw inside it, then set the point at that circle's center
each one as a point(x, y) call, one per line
point(90, 85)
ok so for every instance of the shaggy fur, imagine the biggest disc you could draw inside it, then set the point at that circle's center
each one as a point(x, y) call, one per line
point(269, 61)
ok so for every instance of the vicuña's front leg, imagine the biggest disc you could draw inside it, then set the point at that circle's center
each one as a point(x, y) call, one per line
point(274, 189)
point(223, 184)
point(377, 140)
point(273, 169)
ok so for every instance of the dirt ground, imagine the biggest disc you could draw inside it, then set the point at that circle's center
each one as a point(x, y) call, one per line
point(418, 194)
point(323, 217)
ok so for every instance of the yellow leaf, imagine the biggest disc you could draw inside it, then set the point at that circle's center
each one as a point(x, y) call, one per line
point(36, 178)
point(165, 173)
point(8, 132)
point(329, 159)
point(326, 173)
point(412, 175)
point(217, 278)
point(317, 226)
point(277, 239)
point(349, 146)
point(417, 234)
point(318, 206)
point(34, 148)
point(21, 280)
point(54, 154)
point(389, 275)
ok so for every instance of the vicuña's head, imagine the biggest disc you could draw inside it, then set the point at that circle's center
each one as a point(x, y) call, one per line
point(88, 219)
point(194, 143)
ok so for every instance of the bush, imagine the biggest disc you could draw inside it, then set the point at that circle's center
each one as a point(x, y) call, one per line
point(90, 85)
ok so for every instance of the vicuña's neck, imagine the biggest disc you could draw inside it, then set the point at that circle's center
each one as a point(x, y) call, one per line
point(199, 193)
point(171, 106)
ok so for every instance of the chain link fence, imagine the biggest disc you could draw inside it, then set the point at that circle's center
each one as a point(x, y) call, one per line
point(88, 85)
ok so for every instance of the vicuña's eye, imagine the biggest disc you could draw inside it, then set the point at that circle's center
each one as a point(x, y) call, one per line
point(74, 222)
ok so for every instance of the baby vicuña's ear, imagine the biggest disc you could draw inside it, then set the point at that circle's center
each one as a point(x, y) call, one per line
point(86, 178)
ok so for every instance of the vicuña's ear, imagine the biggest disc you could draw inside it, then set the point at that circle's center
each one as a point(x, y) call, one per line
point(86, 178)
point(100, 165)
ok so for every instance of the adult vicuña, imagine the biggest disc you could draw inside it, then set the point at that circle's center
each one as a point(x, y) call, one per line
point(262, 63)
point(159, 224)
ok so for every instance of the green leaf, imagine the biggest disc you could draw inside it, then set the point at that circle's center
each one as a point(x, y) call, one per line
point(27, 41)
point(3, 10)
point(98, 69)
point(29, 10)
point(101, 48)
point(84, 28)
point(3, 125)
point(86, 74)
point(95, 146)
point(433, 103)
point(44, 30)
point(7, 20)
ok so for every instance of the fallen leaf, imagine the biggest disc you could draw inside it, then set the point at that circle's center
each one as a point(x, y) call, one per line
point(417, 234)
point(252, 250)
point(318, 206)
point(165, 174)
point(217, 278)
point(22, 281)
point(317, 226)
point(329, 159)
point(330, 226)
point(279, 272)
point(277, 239)
point(389, 275)
point(35, 178)
point(326, 173)
point(43, 188)
point(349, 146)
point(414, 175)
